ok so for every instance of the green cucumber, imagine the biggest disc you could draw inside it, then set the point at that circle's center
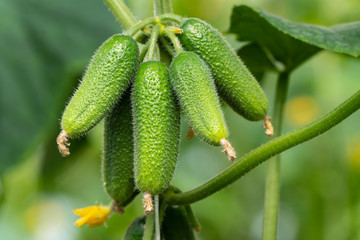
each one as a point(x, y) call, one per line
point(234, 82)
point(195, 89)
point(156, 128)
point(106, 78)
point(118, 155)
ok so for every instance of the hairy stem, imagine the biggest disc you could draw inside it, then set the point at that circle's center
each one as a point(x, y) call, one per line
point(162, 6)
point(149, 227)
point(272, 186)
point(267, 150)
point(174, 40)
point(152, 43)
point(121, 12)
point(152, 20)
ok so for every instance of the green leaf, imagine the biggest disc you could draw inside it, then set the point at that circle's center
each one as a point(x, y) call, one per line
point(289, 42)
point(45, 45)
point(257, 60)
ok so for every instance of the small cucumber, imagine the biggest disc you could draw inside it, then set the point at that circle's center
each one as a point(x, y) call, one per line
point(117, 162)
point(106, 78)
point(176, 225)
point(136, 229)
point(234, 82)
point(156, 128)
point(194, 86)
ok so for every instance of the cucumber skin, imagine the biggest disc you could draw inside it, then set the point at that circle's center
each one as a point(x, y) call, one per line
point(117, 162)
point(234, 82)
point(192, 82)
point(156, 128)
point(108, 75)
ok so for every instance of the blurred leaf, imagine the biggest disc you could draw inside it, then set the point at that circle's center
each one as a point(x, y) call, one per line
point(43, 45)
point(256, 60)
point(289, 42)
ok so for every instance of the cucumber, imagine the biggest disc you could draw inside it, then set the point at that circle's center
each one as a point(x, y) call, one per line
point(107, 76)
point(233, 80)
point(156, 128)
point(117, 162)
point(195, 89)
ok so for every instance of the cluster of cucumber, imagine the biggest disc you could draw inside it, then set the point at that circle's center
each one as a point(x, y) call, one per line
point(183, 67)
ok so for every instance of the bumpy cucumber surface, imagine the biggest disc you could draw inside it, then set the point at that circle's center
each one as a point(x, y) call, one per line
point(194, 86)
point(235, 83)
point(118, 156)
point(107, 76)
point(156, 128)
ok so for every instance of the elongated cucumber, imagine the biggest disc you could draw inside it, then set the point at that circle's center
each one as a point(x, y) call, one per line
point(234, 82)
point(156, 128)
point(118, 155)
point(107, 76)
point(194, 86)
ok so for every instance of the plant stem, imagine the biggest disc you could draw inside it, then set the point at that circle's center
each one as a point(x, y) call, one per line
point(152, 20)
point(174, 40)
point(121, 12)
point(267, 150)
point(157, 218)
point(167, 46)
point(162, 6)
point(272, 188)
point(153, 41)
point(149, 227)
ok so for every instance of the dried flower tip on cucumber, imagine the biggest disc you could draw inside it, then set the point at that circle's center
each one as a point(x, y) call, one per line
point(228, 149)
point(191, 133)
point(269, 130)
point(148, 204)
point(63, 144)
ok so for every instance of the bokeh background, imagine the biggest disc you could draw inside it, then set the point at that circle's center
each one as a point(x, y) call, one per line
point(45, 46)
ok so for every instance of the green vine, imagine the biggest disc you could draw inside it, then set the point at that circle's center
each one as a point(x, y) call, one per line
point(265, 151)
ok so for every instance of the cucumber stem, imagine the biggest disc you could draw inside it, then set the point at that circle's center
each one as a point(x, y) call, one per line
point(152, 20)
point(157, 218)
point(265, 151)
point(174, 40)
point(167, 46)
point(152, 43)
point(272, 185)
point(122, 13)
point(162, 6)
point(149, 227)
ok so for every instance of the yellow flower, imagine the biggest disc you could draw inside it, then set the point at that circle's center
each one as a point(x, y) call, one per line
point(93, 215)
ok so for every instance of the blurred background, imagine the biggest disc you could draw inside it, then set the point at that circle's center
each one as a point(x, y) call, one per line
point(45, 46)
